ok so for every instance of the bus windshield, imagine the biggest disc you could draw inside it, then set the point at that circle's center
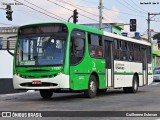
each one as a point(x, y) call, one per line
point(46, 47)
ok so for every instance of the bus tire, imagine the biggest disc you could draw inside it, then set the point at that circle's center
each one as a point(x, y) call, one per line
point(92, 87)
point(46, 94)
point(102, 91)
point(134, 87)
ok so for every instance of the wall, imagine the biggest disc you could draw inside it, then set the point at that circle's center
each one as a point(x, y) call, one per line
point(6, 64)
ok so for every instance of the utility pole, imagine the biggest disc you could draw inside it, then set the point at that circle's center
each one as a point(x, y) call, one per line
point(100, 14)
point(148, 20)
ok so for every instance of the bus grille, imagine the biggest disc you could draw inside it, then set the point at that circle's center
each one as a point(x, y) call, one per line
point(29, 84)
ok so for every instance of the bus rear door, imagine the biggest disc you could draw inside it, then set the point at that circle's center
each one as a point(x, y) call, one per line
point(109, 61)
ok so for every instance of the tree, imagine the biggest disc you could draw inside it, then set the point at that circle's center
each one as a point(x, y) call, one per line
point(156, 36)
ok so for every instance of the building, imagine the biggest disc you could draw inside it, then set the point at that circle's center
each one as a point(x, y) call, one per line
point(115, 28)
point(6, 60)
point(155, 50)
point(6, 32)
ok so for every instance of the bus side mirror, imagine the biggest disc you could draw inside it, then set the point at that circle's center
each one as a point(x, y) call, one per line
point(9, 39)
point(8, 48)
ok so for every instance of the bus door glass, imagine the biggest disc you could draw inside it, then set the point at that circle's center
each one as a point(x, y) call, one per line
point(144, 66)
point(109, 62)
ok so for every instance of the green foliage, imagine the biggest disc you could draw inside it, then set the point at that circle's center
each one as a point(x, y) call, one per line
point(156, 36)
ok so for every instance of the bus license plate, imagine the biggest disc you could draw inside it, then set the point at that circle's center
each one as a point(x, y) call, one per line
point(37, 82)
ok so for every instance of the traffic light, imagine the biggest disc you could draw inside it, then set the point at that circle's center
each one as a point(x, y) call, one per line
point(9, 12)
point(132, 24)
point(75, 16)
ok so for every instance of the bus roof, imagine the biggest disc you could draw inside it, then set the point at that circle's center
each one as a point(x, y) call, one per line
point(94, 30)
point(70, 25)
point(126, 38)
point(85, 28)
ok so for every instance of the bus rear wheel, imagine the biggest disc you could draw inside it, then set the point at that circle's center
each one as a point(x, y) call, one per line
point(46, 94)
point(92, 87)
point(134, 87)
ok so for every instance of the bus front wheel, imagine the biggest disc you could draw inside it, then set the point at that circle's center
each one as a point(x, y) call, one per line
point(46, 94)
point(92, 87)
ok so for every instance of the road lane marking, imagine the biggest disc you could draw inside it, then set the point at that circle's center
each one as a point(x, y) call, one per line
point(154, 83)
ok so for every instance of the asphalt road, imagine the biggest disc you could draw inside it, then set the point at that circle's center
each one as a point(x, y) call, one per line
point(146, 99)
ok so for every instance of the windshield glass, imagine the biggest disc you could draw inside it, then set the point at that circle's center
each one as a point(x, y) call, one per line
point(46, 47)
point(157, 71)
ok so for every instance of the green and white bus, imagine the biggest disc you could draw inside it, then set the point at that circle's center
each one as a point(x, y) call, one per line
point(60, 57)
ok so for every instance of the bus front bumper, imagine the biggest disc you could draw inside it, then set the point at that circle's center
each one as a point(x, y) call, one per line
point(57, 82)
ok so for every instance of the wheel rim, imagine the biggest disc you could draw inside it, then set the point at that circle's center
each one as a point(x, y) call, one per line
point(135, 85)
point(92, 86)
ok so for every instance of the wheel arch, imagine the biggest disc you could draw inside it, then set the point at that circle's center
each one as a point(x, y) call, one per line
point(97, 77)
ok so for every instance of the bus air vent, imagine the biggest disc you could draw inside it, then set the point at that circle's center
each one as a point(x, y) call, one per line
point(38, 70)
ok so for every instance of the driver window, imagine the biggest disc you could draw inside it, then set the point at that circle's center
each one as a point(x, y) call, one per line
point(77, 47)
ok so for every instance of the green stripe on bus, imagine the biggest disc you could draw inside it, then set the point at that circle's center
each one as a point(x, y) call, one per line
point(126, 73)
point(88, 73)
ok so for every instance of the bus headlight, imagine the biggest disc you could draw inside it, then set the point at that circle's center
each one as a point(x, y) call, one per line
point(59, 73)
point(18, 75)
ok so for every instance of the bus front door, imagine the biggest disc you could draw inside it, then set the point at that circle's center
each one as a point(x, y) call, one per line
point(144, 66)
point(109, 63)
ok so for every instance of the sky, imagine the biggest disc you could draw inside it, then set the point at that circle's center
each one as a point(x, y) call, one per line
point(114, 11)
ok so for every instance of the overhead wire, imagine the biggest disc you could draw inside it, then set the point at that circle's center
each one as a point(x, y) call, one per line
point(138, 6)
point(45, 10)
point(81, 9)
point(134, 7)
point(62, 1)
point(123, 12)
point(39, 11)
point(129, 7)
point(117, 11)
point(71, 10)
point(68, 9)
point(28, 13)
point(128, 13)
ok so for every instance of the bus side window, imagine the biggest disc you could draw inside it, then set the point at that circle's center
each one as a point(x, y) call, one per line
point(124, 50)
point(116, 49)
point(137, 54)
point(130, 51)
point(95, 46)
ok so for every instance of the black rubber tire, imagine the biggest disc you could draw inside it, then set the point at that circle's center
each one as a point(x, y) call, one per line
point(46, 94)
point(134, 87)
point(92, 87)
point(102, 91)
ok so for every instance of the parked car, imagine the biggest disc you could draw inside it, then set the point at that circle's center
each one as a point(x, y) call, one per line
point(156, 75)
